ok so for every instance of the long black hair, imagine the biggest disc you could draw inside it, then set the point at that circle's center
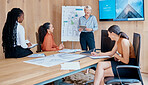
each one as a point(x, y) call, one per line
point(9, 34)
point(43, 31)
point(116, 30)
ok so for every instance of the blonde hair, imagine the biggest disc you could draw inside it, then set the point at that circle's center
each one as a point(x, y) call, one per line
point(87, 7)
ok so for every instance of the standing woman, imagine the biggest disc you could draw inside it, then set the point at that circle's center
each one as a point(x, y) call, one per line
point(123, 52)
point(13, 36)
point(87, 34)
point(46, 38)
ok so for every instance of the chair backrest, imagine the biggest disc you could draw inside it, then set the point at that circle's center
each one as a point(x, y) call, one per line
point(136, 45)
point(106, 43)
point(39, 43)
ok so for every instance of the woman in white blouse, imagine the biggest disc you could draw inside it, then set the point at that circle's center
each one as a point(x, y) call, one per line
point(13, 37)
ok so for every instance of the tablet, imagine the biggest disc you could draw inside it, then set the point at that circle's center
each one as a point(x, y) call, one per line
point(83, 27)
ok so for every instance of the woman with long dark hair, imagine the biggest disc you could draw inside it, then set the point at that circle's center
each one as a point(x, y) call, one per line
point(13, 35)
point(123, 53)
point(46, 38)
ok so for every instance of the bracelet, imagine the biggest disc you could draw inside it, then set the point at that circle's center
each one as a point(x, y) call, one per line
point(118, 53)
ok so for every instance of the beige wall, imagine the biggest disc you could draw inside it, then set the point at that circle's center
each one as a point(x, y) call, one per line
point(39, 11)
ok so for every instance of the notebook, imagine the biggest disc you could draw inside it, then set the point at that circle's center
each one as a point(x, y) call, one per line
point(70, 66)
point(96, 57)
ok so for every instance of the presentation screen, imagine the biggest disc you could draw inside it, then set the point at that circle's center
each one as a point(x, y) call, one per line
point(121, 10)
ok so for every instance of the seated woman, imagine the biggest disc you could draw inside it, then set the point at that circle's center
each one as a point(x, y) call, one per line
point(46, 38)
point(13, 36)
point(123, 53)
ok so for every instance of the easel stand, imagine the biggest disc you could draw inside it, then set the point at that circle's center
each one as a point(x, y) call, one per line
point(71, 44)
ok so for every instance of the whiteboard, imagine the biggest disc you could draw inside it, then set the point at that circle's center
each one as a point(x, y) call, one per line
point(70, 20)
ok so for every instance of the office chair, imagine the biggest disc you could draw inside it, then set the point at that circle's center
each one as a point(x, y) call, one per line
point(122, 81)
point(39, 43)
point(106, 43)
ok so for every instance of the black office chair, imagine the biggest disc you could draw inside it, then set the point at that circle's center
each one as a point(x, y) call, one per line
point(122, 81)
point(106, 43)
point(39, 43)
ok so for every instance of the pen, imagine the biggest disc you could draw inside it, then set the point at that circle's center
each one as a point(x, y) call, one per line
point(94, 50)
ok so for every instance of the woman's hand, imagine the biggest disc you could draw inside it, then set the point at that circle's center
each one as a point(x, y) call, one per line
point(61, 46)
point(115, 57)
point(93, 53)
point(80, 29)
point(97, 54)
point(29, 44)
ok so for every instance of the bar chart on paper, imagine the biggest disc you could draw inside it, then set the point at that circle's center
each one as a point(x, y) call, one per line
point(70, 20)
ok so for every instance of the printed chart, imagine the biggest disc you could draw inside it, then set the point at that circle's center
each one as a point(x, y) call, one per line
point(70, 20)
point(55, 59)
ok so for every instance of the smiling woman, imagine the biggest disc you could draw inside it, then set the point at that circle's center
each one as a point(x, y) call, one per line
point(87, 35)
point(46, 38)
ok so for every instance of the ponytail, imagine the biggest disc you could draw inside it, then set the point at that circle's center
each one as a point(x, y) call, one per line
point(116, 29)
point(43, 31)
point(123, 35)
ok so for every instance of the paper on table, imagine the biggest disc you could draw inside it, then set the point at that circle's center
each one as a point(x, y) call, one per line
point(37, 55)
point(33, 45)
point(70, 57)
point(70, 50)
point(46, 61)
point(55, 59)
point(70, 66)
point(27, 41)
point(95, 57)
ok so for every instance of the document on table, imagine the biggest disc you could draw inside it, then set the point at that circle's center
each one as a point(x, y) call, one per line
point(70, 66)
point(33, 45)
point(69, 50)
point(55, 59)
point(95, 57)
point(37, 55)
point(70, 57)
point(47, 62)
point(27, 41)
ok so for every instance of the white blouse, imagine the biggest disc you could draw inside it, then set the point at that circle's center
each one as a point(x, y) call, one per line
point(21, 36)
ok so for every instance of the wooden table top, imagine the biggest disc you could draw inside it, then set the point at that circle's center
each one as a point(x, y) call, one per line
point(16, 72)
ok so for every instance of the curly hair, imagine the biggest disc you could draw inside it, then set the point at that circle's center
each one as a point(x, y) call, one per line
point(9, 34)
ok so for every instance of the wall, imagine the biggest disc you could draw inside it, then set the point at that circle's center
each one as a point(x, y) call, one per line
point(39, 11)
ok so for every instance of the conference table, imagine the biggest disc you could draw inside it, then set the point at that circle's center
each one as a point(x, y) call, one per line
point(16, 72)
